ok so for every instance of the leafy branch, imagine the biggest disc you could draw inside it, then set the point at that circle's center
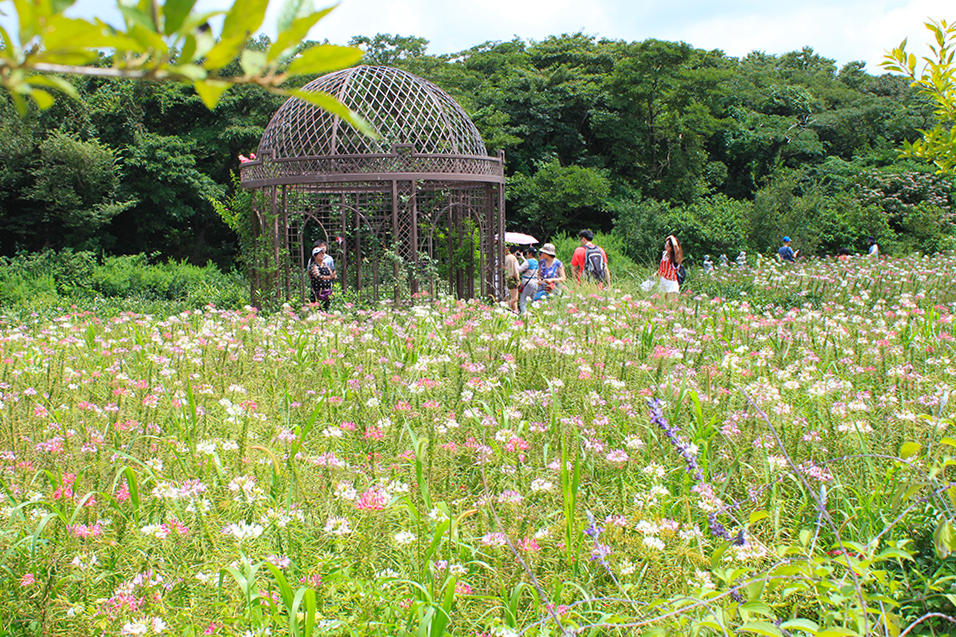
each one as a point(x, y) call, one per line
point(934, 80)
point(166, 41)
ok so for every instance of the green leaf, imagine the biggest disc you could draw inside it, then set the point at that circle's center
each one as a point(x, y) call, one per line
point(332, 105)
point(323, 58)
point(188, 51)
point(894, 553)
point(837, 631)
point(28, 19)
point(72, 34)
point(200, 21)
point(253, 62)
point(288, 39)
point(761, 628)
point(197, 46)
point(944, 539)
point(175, 13)
point(192, 72)
point(6, 46)
point(285, 590)
point(440, 621)
point(756, 516)
point(291, 10)
point(225, 52)
point(805, 625)
point(713, 625)
point(244, 18)
point(43, 99)
point(132, 485)
point(136, 17)
point(148, 39)
point(909, 449)
point(310, 608)
point(19, 102)
point(59, 6)
point(718, 554)
point(210, 91)
point(804, 537)
point(57, 83)
point(758, 608)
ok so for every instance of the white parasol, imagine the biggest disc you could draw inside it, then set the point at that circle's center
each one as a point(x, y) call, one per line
point(518, 238)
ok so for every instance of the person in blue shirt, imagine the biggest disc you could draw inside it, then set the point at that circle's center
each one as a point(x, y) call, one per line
point(551, 272)
point(528, 268)
point(786, 253)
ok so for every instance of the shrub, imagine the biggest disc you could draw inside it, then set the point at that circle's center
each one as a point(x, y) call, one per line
point(712, 225)
point(621, 265)
point(51, 279)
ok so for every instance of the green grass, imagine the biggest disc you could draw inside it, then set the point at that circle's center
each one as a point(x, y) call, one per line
point(451, 468)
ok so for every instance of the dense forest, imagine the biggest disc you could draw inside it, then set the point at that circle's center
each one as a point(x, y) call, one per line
point(638, 138)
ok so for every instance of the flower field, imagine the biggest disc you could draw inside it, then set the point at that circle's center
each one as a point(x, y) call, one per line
point(775, 462)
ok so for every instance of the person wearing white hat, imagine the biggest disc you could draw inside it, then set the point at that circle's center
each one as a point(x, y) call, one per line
point(321, 275)
point(550, 272)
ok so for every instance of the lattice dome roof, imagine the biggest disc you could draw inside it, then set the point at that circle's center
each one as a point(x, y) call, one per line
point(403, 108)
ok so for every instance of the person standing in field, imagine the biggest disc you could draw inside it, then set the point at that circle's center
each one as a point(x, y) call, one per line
point(529, 279)
point(321, 275)
point(786, 253)
point(872, 250)
point(671, 260)
point(590, 260)
point(512, 277)
point(551, 272)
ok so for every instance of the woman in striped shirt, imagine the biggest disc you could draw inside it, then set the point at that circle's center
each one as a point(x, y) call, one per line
point(673, 256)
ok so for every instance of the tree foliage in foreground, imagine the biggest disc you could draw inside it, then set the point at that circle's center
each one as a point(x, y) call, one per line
point(935, 81)
point(165, 41)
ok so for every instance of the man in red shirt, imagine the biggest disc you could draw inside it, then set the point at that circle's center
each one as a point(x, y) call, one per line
point(590, 259)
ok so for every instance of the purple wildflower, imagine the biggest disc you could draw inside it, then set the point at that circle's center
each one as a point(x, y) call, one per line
point(657, 417)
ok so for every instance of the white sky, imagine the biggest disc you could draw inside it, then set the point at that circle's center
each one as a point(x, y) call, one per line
point(843, 30)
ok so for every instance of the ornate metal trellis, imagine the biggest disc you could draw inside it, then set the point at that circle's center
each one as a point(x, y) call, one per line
point(417, 209)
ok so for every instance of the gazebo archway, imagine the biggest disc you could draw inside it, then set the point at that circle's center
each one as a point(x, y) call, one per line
point(414, 211)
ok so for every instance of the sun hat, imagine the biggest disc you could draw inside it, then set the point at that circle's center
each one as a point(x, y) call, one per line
point(786, 239)
point(315, 251)
point(548, 249)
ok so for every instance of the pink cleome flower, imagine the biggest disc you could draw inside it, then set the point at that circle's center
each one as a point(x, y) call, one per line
point(528, 544)
point(372, 500)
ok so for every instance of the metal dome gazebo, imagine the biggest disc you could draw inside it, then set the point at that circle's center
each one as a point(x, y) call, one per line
point(416, 209)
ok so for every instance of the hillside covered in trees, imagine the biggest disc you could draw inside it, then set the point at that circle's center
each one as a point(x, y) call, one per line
point(642, 138)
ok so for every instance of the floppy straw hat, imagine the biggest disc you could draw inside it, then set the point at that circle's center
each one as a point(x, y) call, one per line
point(548, 249)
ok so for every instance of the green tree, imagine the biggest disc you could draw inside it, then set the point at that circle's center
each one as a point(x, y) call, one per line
point(557, 197)
point(663, 104)
point(385, 49)
point(64, 192)
point(173, 214)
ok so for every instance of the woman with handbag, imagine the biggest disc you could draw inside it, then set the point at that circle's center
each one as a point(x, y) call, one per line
point(671, 262)
point(550, 272)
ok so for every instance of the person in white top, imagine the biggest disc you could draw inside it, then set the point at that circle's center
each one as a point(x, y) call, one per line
point(873, 250)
